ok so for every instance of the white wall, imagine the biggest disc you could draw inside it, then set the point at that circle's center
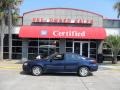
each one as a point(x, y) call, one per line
point(15, 30)
point(112, 31)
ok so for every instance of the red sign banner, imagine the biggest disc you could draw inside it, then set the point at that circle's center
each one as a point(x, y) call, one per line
point(62, 32)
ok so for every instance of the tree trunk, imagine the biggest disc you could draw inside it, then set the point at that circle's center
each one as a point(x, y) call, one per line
point(10, 31)
point(114, 61)
point(1, 38)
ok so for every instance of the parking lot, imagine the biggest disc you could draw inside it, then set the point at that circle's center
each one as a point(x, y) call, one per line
point(104, 79)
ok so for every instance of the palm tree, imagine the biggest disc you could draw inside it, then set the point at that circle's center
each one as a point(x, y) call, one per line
point(2, 23)
point(117, 7)
point(114, 43)
point(8, 9)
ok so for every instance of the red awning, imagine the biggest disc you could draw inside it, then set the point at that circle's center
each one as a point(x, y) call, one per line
point(62, 32)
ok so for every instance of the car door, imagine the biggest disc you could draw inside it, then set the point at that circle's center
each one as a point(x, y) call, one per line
point(56, 63)
point(71, 62)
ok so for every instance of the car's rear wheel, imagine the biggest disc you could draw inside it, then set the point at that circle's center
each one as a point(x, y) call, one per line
point(37, 70)
point(83, 71)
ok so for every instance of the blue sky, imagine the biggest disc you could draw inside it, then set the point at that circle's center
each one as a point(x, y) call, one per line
point(103, 7)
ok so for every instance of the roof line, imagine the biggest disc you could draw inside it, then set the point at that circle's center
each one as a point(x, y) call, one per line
point(62, 8)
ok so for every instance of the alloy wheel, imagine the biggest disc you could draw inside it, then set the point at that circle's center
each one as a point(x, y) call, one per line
point(36, 70)
point(83, 71)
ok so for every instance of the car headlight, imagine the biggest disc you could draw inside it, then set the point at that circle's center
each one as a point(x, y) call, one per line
point(25, 64)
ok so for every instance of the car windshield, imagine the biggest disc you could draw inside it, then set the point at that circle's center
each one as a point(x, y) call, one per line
point(52, 56)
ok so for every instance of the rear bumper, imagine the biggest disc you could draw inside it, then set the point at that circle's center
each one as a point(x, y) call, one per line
point(94, 67)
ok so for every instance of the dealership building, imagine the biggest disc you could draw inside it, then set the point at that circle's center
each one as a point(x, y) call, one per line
point(60, 30)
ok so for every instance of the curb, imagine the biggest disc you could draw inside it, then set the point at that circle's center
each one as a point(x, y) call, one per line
point(110, 68)
point(10, 67)
point(115, 69)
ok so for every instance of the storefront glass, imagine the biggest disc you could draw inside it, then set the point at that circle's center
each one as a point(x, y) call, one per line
point(85, 48)
point(93, 49)
point(43, 47)
point(69, 45)
point(16, 47)
point(48, 46)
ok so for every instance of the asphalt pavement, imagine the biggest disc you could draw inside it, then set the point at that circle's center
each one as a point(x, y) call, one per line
point(12, 78)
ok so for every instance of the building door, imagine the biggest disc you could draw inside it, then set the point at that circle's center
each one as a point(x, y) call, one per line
point(81, 48)
point(77, 47)
point(85, 49)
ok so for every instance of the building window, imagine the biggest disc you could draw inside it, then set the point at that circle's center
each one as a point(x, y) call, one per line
point(93, 49)
point(6, 55)
point(33, 43)
point(6, 41)
point(16, 43)
point(5, 47)
point(107, 52)
point(43, 47)
point(68, 49)
point(32, 48)
point(16, 47)
point(15, 36)
point(16, 56)
point(69, 45)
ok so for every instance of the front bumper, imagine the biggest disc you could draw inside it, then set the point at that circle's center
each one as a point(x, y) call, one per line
point(26, 68)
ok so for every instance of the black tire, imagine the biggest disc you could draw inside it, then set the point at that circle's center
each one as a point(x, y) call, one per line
point(37, 71)
point(83, 71)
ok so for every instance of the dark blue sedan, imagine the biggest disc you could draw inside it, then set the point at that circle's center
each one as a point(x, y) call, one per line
point(68, 62)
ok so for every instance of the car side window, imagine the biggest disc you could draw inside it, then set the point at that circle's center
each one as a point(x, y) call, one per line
point(73, 57)
point(58, 57)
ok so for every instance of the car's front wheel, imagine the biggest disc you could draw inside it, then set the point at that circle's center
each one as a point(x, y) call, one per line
point(37, 70)
point(83, 71)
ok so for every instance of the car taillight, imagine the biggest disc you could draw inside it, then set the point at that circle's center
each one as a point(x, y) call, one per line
point(93, 61)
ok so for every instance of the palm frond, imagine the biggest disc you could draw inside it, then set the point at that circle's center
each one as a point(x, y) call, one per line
point(117, 7)
point(114, 43)
point(4, 5)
